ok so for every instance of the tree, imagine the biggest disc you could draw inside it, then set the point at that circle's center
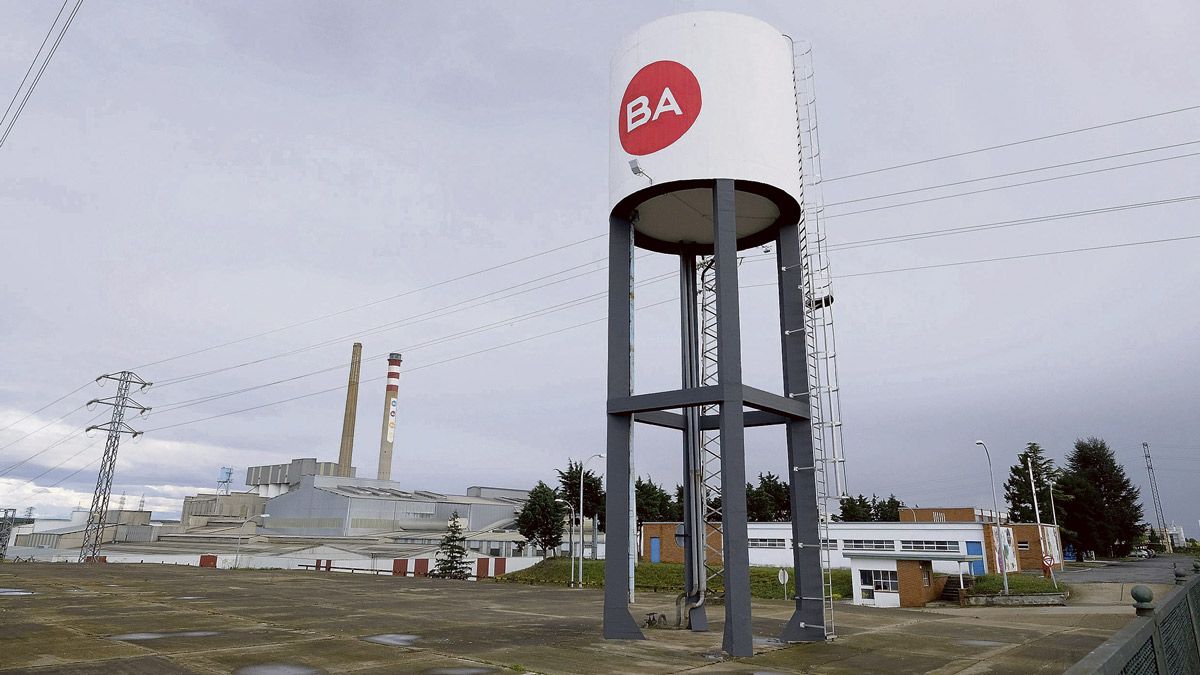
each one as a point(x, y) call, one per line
point(593, 490)
point(1018, 493)
point(855, 510)
point(452, 553)
point(1104, 513)
point(653, 503)
point(769, 501)
point(540, 520)
point(886, 510)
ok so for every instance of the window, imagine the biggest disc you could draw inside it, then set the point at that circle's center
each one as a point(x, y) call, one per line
point(829, 544)
point(925, 576)
point(868, 544)
point(939, 517)
point(1022, 546)
point(768, 543)
point(922, 545)
point(879, 580)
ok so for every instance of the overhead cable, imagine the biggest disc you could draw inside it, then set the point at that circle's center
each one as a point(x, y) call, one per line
point(1013, 143)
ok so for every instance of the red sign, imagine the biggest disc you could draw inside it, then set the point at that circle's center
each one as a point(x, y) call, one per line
point(660, 104)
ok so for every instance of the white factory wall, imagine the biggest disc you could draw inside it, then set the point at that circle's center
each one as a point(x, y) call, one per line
point(774, 540)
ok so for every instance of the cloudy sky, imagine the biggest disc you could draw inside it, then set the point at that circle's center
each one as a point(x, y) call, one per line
point(238, 191)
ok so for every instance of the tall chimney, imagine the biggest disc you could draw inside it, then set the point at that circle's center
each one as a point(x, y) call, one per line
point(347, 450)
point(389, 417)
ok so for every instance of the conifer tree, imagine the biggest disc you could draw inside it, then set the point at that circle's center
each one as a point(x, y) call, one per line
point(1018, 493)
point(452, 553)
point(1104, 513)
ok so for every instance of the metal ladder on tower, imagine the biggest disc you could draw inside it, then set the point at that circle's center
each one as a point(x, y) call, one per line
point(710, 441)
point(820, 344)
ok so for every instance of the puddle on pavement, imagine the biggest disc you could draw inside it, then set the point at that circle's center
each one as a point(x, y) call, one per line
point(393, 639)
point(980, 643)
point(135, 637)
point(14, 591)
point(277, 669)
point(461, 671)
point(190, 597)
point(768, 641)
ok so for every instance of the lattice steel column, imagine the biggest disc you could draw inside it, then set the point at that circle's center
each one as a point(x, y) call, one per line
point(93, 535)
point(7, 517)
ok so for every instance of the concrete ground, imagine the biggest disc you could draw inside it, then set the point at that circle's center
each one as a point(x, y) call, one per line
point(1133, 571)
point(67, 618)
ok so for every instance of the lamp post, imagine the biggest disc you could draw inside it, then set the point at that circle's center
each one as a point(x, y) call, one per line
point(237, 550)
point(571, 536)
point(995, 514)
point(582, 464)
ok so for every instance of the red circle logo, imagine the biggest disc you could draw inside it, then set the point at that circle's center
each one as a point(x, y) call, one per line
point(660, 104)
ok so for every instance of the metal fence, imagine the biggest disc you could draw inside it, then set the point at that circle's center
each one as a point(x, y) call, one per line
point(1164, 638)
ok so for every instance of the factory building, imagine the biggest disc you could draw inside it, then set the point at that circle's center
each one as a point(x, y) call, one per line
point(333, 506)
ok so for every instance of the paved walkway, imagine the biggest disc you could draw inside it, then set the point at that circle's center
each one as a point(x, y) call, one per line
point(163, 620)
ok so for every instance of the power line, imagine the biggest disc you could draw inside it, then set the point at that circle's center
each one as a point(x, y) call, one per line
point(41, 428)
point(1019, 257)
point(1012, 143)
point(1014, 173)
point(373, 379)
point(594, 321)
point(60, 398)
point(41, 70)
point(169, 407)
point(1013, 185)
point(85, 449)
point(555, 249)
point(46, 449)
point(967, 229)
point(488, 298)
point(508, 321)
point(33, 63)
point(376, 302)
point(436, 313)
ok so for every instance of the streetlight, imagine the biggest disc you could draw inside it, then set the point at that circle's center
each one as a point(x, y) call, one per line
point(237, 550)
point(581, 466)
point(571, 536)
point(995, 514)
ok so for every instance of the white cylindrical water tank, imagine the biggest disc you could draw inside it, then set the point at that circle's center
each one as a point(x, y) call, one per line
point(697, 97)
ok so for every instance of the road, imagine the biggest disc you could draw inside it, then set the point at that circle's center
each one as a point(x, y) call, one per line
point(1146, 571)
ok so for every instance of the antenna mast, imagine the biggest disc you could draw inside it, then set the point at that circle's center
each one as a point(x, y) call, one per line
point(1158, 509)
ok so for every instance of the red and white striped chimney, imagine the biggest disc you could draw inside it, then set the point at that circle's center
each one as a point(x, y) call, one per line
point(389, 417)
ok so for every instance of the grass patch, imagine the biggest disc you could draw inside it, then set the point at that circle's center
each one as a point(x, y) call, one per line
point(665, 577)
point(1018, 584)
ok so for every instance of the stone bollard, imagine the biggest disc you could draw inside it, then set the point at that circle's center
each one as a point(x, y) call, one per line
point(1196, 565)
point(1143, 600)
point(1180, 576)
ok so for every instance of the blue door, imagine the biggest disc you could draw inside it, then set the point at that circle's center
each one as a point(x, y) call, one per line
point(975, 548)
point(655, 550)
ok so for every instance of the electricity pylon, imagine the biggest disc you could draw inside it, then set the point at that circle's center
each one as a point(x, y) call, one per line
point(94, 534)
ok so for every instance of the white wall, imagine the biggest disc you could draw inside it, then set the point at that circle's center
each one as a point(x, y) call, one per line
point(782, 557)
point(882, 598)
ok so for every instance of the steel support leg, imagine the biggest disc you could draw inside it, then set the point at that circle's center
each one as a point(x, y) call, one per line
point(618, 622)
point(738, 638)
point(807, 623)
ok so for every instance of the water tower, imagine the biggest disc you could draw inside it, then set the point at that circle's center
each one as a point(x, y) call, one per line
point(705, 161)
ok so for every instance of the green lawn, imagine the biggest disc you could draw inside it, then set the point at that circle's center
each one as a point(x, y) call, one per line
point(665, 577)
point(992, 584)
